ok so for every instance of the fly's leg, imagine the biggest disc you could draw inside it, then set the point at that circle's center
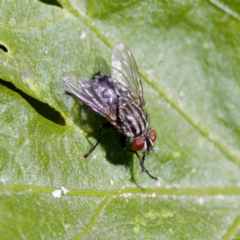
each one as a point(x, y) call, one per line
point(142, 166)
point(123, 141)
point(101, 127)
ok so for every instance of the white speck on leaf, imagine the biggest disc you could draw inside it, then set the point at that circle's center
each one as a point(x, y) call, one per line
point(64, 190)
point(194, 170)
point(83, 35)
point(111, 182)
point(200, 200)
point(57, 193)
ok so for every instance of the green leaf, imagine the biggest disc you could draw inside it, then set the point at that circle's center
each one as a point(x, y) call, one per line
point(188, 56)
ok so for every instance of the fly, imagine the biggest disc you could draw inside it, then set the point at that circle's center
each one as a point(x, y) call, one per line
point(119, 99)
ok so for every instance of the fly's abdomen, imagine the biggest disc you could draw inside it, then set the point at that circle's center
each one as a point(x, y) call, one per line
point(132, 120)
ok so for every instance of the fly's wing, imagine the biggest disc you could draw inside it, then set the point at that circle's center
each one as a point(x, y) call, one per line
point(82, 89)
point(101, 66)
point(124, 70)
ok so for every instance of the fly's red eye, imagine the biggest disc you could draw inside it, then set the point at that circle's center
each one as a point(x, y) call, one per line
point(152, 135)
point(138, 144)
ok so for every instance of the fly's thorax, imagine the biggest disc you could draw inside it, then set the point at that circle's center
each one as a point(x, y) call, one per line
point(103, 89)
point(122, 90)
point(132, 119)
point(100, 76)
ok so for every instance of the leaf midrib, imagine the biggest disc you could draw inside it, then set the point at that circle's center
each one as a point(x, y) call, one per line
point(146, 192)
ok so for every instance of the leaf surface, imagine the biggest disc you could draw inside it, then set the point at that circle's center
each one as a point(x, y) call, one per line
point(188, 57)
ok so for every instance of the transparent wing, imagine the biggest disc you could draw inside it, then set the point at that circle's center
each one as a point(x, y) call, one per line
point(101, 66)
point(124, 70)
point(81, 89)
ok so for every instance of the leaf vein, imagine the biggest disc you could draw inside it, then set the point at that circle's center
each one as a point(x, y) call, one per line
point(225, 8)
point(94, 219)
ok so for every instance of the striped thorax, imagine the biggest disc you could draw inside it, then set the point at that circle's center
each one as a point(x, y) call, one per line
point(132, 120)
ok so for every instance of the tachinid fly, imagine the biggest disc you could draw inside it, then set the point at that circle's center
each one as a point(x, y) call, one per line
point(119, 99)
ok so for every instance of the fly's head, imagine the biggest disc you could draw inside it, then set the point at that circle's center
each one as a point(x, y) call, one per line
point(144, 143)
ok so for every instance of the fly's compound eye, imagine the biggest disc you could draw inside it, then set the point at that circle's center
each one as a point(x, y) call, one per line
point(152, 135)
point(138, 144)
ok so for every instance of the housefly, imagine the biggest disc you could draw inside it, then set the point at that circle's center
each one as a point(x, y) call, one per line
point(119, 99)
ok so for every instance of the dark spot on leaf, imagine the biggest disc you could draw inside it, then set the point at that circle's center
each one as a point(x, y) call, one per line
point(42, 108)
point(3, 48)
point(51, 2)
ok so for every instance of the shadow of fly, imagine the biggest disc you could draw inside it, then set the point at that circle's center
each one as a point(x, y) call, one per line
point(119, 99)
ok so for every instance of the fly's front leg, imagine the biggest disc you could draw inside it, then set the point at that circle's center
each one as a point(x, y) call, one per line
point(101, 127)
point(123, 142)
point(143, 167)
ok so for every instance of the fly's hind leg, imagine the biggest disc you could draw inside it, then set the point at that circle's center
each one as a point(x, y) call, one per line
point(101, 127)
point(123, 142)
